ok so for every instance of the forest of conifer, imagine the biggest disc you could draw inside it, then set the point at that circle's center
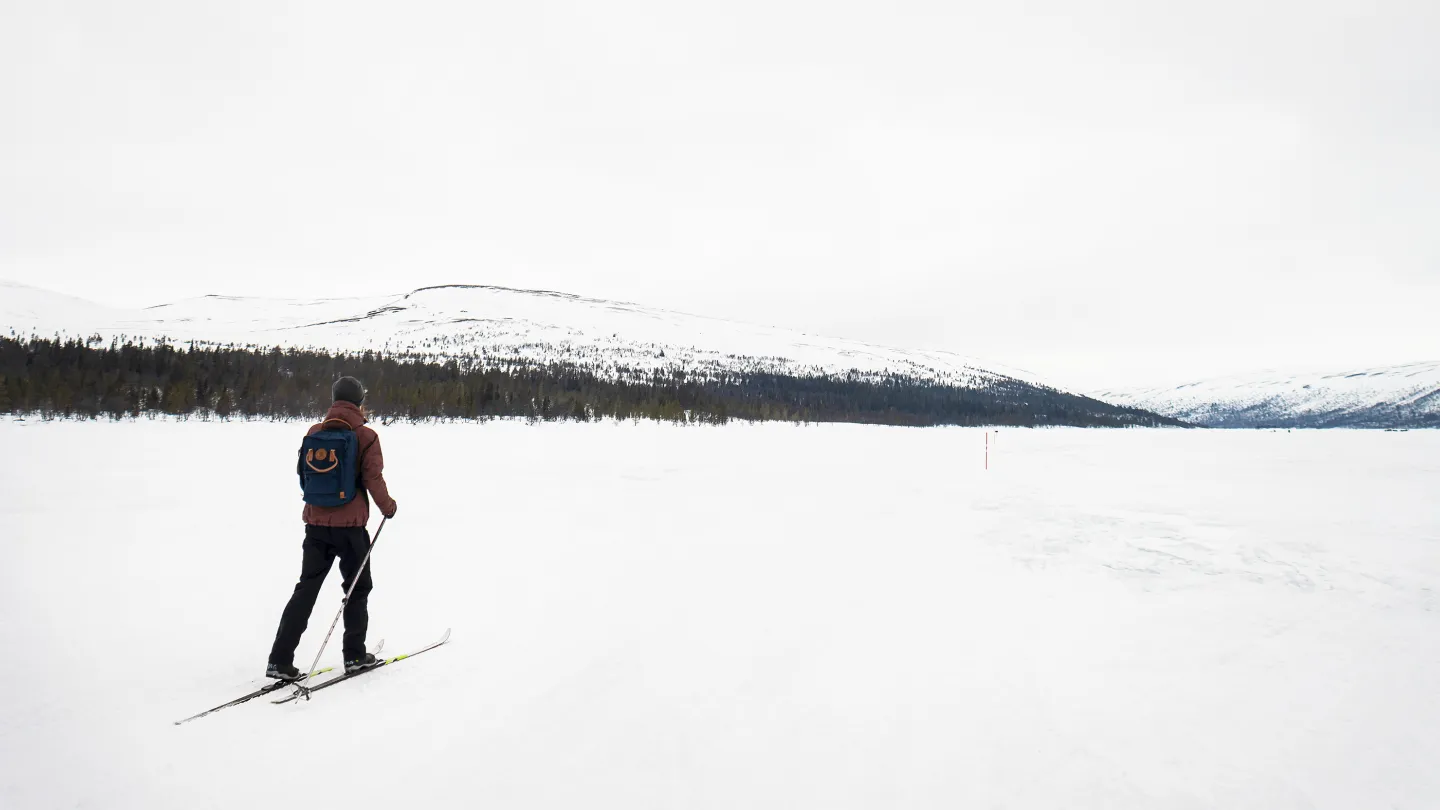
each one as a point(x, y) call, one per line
point(94, 378)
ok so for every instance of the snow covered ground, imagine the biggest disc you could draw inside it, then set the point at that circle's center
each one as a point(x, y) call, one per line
point(742, 617)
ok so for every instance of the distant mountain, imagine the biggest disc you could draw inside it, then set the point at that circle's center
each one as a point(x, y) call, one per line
point(501, 327)
point(1404, 396)
point(494, 322)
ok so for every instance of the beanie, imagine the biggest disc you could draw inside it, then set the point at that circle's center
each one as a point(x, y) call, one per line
point(348, 389)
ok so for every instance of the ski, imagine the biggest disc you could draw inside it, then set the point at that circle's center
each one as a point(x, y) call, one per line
point(305, 691)
point(264, 690)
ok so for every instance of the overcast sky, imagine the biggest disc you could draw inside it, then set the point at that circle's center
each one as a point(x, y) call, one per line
point(1103, 193)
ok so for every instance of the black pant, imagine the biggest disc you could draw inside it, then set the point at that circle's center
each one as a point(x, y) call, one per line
point(322, 545)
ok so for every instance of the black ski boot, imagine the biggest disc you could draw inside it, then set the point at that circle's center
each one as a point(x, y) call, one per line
point(282, 673)
point(358, 664)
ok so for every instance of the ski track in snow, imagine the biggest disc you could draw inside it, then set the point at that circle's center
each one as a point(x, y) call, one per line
point(750, 616)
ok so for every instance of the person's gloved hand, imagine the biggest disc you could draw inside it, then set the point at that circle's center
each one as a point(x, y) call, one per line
point(394, 507)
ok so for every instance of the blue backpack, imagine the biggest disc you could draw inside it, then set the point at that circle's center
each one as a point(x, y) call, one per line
point(329, 466)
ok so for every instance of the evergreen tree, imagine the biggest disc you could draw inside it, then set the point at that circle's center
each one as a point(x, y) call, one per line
point(90, 379)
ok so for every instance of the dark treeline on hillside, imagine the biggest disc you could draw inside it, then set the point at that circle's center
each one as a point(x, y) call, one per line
point(93, 379)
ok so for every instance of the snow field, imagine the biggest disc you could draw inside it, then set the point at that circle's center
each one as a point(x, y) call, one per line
point(748, 616)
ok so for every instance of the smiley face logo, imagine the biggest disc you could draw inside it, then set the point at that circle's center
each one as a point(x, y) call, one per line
point(314, 459)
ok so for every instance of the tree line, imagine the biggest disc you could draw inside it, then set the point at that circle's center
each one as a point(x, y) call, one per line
point(93, 378)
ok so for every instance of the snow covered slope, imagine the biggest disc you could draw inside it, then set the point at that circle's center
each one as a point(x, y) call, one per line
point(1391, 397)
point(497, 323)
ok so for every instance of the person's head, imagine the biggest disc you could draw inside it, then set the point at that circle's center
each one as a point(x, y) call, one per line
point(348, 389)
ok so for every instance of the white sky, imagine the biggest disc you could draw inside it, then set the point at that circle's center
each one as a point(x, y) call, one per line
point(1114, 193)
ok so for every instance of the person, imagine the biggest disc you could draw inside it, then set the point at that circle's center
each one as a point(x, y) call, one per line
point(337, 531)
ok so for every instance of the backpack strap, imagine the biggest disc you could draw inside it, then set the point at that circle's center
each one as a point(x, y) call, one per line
point(337, 419)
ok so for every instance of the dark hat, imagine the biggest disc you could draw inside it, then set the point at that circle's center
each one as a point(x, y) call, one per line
point(348, 389)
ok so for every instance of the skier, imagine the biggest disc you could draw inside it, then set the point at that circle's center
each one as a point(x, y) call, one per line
point(332, 531)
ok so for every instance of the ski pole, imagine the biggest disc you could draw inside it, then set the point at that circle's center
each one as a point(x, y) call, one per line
point(300, 687)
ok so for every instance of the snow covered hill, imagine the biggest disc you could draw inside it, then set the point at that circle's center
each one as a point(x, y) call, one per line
point(1403, 396)
point(496, 323)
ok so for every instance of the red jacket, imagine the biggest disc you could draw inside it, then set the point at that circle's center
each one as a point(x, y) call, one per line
point(372, 478)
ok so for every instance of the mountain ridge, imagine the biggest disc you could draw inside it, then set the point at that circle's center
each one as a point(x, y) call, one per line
point(1400, 396)
point(497, 325)
point(573, 342)
point(475, 351)
point(532, 325)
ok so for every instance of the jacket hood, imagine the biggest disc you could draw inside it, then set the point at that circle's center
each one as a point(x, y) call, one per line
point(348, 412)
